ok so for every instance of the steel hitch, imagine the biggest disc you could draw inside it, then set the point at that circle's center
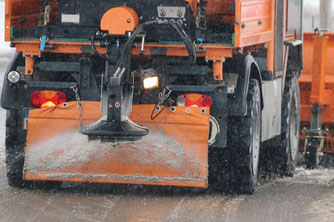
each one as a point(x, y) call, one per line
point(116, 127)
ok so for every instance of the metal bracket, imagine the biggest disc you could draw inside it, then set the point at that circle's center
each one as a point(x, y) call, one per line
point(85, 72)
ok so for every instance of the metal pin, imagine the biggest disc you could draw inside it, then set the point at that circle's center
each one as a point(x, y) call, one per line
point(142, 49)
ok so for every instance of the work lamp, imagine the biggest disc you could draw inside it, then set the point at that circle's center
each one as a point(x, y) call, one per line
point(14, 77)
point(151, 82)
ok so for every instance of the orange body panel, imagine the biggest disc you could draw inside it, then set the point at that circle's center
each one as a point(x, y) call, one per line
point(319, 70)
point(119, 20)
point(317, 81)
point(177, 157)
point(29, 65)
point(254, 22)
point(212, 52)
point(15, 10)
point(8, 14)
point(218, 70)
point(317, 77)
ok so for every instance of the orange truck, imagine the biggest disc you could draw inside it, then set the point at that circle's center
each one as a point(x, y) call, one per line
point(317, 105)
point(152, 92)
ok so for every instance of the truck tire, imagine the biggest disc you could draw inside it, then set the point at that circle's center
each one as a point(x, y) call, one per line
point(245, 139)
point(287, 150)
point(312, 154)
point(15, 154)
point(14, 149)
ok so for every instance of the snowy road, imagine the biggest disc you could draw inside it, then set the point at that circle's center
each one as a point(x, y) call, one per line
point(309, 196)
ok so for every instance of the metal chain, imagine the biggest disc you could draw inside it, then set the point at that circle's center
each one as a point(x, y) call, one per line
point(79, 104)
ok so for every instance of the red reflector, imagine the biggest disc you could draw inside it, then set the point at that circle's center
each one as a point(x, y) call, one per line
point(45, 98)
point(194, 100)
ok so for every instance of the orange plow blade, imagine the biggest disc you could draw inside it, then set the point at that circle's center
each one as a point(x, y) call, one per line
point(174, 153)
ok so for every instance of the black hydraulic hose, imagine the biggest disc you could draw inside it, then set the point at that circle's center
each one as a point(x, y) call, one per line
point(128, 44)
point(126, 50)
point(186, 39)
point(94, 48)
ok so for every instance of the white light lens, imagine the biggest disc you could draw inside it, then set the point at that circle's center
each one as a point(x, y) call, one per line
point(180, 101)
point(14, 77)
point(151, 82)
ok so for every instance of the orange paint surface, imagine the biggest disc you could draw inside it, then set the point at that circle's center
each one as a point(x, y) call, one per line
point(317, 82)
point(174, 153)
point(119, 20)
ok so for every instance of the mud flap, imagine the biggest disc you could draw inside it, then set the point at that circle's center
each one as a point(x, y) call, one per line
point(175, 153)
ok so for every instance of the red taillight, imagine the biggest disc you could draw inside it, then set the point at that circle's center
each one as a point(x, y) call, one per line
point(43, 99)
point(194, 100)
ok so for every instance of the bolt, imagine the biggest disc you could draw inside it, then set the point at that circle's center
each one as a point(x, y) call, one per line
point(85, 76)
point(117, 105)
point(162, 13)
point(179, 13)
point(128, 21)
point(217, 76)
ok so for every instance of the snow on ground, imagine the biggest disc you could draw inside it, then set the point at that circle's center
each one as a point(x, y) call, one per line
point(322, 176)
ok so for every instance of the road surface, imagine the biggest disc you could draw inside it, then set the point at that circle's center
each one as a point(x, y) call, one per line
point(307, 197)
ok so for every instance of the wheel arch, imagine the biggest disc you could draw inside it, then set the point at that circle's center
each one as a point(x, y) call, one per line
point(9, 93)
point(295, 60)
point(249, 69)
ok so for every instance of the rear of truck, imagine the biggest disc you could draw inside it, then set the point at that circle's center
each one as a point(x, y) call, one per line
point(316, 98)
point(141, 92)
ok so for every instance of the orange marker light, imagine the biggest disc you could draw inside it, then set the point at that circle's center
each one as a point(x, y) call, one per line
point(48, 104)
point(43, 99)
